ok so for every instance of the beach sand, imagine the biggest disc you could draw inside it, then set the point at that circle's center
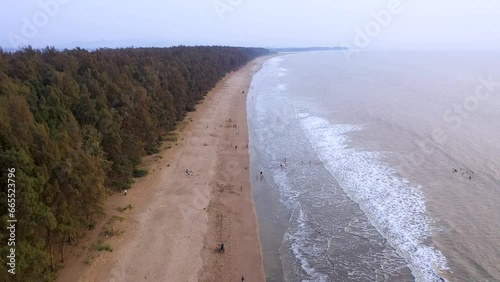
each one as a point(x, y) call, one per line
point(177, 221)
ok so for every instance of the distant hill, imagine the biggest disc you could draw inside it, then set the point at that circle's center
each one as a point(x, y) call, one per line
point(306, 49)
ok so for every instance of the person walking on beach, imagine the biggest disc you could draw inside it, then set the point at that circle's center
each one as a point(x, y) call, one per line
point(242, 278)
point(125, 192)
point(221, 249)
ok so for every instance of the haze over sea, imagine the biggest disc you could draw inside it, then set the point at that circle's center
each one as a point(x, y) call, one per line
point(382, 168)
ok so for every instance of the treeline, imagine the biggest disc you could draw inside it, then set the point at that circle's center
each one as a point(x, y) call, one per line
point(74, 125)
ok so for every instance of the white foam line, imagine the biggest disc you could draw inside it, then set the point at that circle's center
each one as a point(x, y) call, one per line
point(297, 239)
point(393, 206)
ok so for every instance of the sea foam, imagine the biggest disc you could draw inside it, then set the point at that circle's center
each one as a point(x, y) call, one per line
point(394, 206)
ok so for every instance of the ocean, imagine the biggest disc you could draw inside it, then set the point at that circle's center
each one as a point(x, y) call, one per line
point(382, 168)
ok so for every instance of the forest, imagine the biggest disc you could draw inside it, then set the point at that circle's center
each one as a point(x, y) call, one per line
point(74, 125)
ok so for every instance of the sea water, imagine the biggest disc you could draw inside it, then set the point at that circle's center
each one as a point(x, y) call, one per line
point(381, 168)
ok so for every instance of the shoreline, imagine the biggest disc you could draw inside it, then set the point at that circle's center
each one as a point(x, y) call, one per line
point(178, 221)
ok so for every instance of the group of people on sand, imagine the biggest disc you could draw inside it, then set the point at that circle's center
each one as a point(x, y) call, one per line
point(188, 172)
point(464, 172)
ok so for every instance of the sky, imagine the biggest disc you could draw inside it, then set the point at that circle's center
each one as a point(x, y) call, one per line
point(373, 24)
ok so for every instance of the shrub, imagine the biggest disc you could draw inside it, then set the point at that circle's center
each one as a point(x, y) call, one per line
point(105, 247)
point(140, 173)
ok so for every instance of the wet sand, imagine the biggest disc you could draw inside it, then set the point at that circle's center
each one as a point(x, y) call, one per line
point(178, 220)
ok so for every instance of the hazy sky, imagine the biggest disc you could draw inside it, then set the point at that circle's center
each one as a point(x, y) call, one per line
point(402, 24)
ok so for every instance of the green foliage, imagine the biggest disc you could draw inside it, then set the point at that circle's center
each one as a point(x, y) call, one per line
point(111, 231)
point(152, 151)
point(125, 208)
point(140, 173)
point(105, 247)
point(117, 218)
point(75, 125)
point(170, 137)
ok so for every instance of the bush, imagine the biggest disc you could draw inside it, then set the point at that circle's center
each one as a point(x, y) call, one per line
point(152, 151)
point(171, 137)
point(105, 247)
point(128, 207)
point(140, 173)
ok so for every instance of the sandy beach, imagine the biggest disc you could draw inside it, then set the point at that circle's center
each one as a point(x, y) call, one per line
point(178, 220)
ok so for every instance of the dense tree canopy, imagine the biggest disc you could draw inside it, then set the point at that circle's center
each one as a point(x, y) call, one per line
point(75, 123)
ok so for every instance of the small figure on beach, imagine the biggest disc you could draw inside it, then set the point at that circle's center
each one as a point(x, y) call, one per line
point(236, 147)
point(242, 277)
point(454, 170)
point(246, 145)
point(243, 92)
point(221, 249)
point(125, 192)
